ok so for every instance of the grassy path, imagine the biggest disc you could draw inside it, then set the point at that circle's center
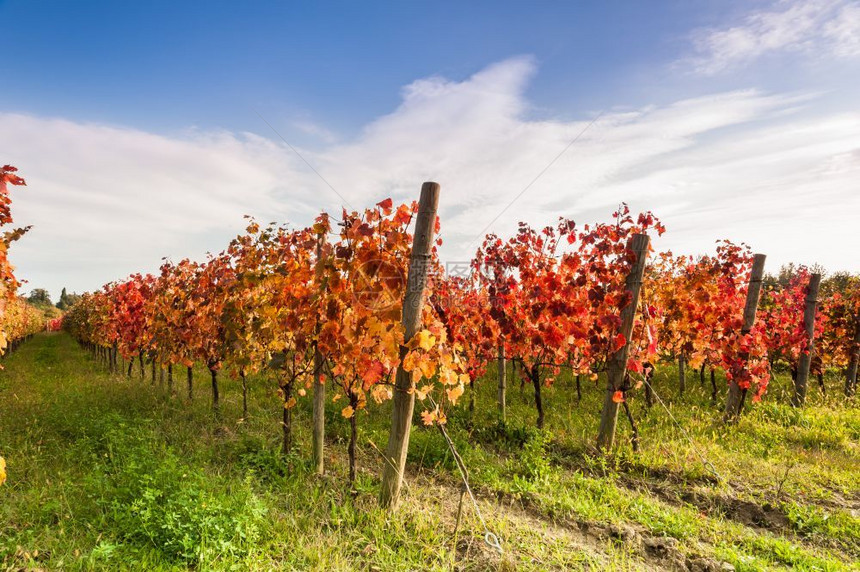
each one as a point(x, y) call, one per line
point(110, 473)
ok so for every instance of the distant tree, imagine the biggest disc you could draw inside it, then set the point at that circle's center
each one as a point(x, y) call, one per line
point(62, 303)
point(40, 297)
point(838, 282)
point(67, 300)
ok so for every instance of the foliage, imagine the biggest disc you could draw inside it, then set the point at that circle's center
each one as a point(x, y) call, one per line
point(324, 304)
point(840, 342)
point(700, 303)
point(163, 502)
point(40, 296)
point(557, 294)
point(8, 283)
point(782, 316)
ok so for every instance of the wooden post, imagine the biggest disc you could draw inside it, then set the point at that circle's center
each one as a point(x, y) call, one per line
point(851, 372)
point(682, 373)
point(189, 377)
point(287, 419)
point(733, 396)
point(319, 386)
point(503, 383)
point(617, 363)
point(404, 394)
point(244, 394)
point(802, 380)
point(534, 376)
point(215, 400)
point(713, 386)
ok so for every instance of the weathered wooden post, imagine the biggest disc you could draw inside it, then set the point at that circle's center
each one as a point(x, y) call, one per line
point(319, 385)
point(801, 381)
point(404, 394)
point(851, 372)
point(534, 376)
point(733, 396)
point(713, 386)
point(215, 398)
point(503, 383)
point(617, 363)
point(682, 373)
point(189, 378)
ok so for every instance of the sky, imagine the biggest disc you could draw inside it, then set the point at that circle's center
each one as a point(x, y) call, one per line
point(148, 130)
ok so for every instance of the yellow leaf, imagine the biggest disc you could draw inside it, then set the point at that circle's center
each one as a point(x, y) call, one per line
point(2, 470)
point(290, 403)
point(427, 367)
point(380, 393)
point(425, 340)
point(409, 362)
point(454, 393)
point(422, 392)
point(347, 411)
point(447, 377)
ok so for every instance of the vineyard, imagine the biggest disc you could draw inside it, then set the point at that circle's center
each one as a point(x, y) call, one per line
point(340, 385)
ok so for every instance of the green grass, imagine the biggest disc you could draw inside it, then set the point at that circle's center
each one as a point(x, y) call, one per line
point(109, 473)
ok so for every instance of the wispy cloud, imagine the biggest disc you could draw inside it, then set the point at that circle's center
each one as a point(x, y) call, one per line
point(316, 130)
point(811, 28)
point(745, 165)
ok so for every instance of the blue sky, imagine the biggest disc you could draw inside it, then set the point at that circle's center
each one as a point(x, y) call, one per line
point(137, 124)
point(159, 66)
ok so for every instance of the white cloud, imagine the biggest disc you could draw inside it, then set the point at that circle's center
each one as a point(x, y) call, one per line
point(843, 32)
point(817, 28)
point(316, 130)
point(744, 165)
